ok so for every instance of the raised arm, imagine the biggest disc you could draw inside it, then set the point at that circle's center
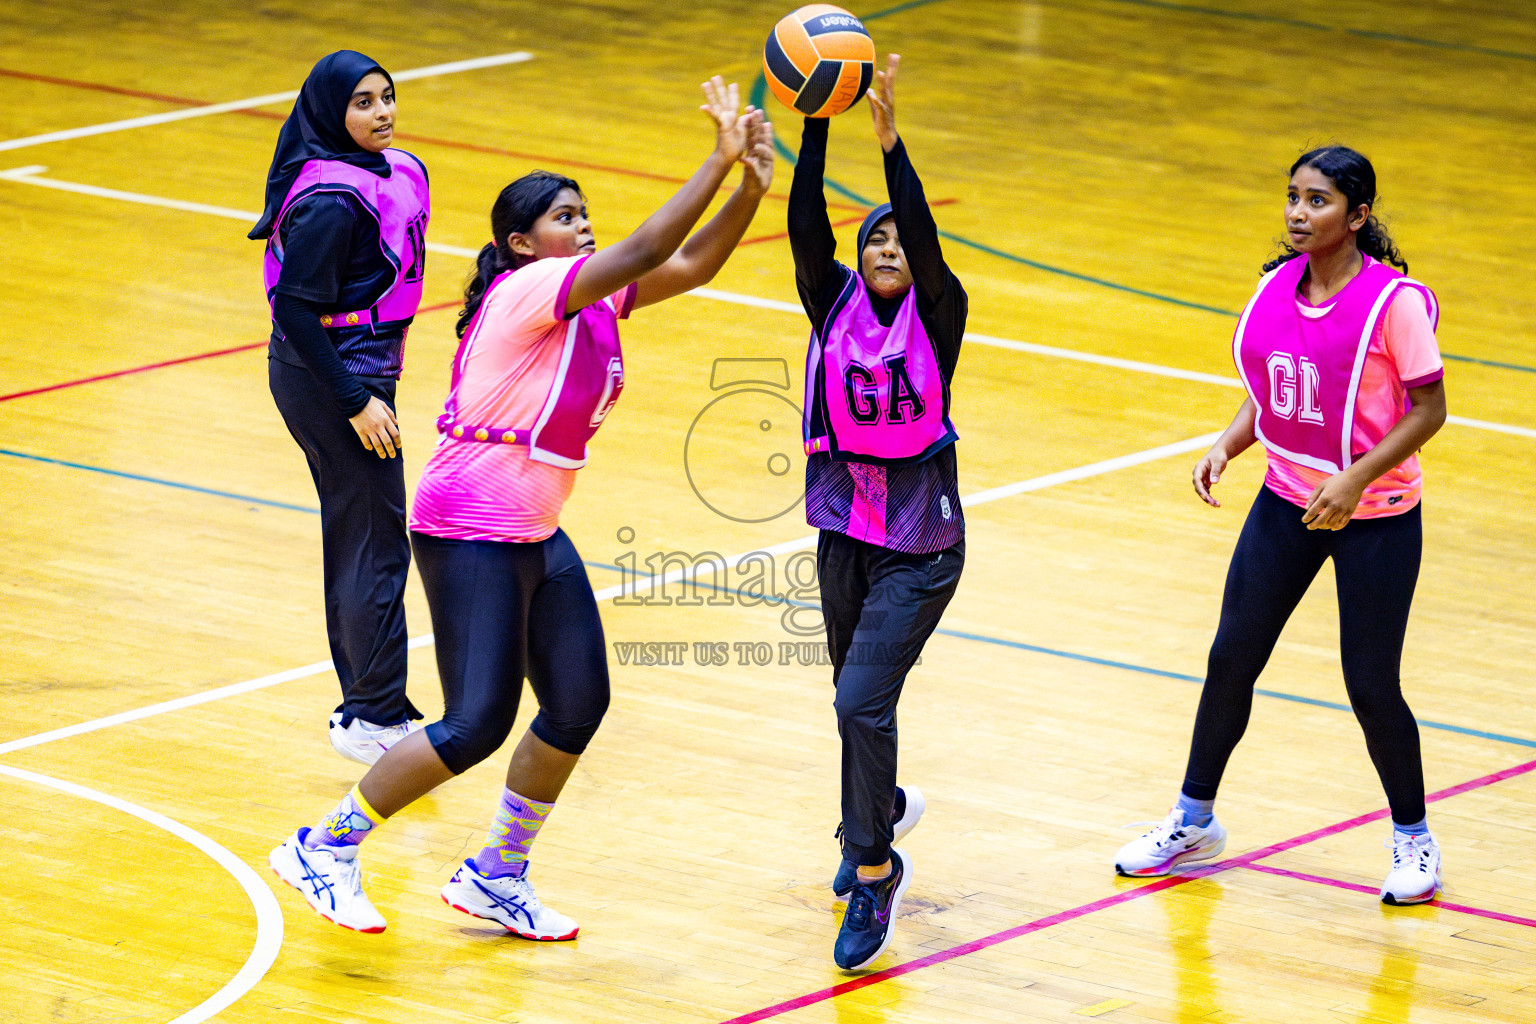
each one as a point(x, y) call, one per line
point(654, 241)
point(702, 256)
point(914, 221)
point(810, 231)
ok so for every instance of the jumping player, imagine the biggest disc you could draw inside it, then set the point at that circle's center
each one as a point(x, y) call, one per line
point(345, 224)
point(1337, 351)
point(538, 369)
point(881, 487)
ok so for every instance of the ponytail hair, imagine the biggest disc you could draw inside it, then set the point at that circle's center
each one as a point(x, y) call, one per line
point(516, 208)
point(1353, 175)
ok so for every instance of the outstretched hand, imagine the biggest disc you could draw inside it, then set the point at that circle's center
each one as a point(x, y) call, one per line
point(732, 131)
point(757, 173)
point(882, 103)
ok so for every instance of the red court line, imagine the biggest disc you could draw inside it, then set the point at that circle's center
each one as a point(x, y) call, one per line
point(136, 369)
point(1204, 871)
point(273, 115)
point(183, 359)
point(1337, 883)
point(98, 87)
point(837, 224)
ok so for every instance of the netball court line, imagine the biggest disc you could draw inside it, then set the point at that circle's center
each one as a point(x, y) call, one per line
point(255, 101)
point(1247, 860)
point(269, 916)
point(30, 175)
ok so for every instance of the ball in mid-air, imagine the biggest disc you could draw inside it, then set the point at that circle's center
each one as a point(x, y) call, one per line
point(819, 60)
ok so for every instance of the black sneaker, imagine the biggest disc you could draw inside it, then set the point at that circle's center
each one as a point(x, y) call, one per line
point(872, 910)
point(904, 817)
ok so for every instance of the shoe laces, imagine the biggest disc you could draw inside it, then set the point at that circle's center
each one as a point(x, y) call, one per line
point(349, 874)
point(1407, 848)
point(524, 889)
point(861, 907)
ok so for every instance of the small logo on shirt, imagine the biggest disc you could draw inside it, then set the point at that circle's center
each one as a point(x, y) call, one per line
point(944, 505)
point(1394, 499)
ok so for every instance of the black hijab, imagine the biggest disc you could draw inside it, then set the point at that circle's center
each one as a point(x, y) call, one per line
point(317, 130)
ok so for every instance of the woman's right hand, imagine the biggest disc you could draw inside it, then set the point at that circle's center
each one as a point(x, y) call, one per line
point(376, 428)
point(1208, 472)
point(732, 131)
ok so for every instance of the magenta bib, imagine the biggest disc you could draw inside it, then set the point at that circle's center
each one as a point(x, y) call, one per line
point(585, 389)
point(1303, 373)
point(877, 392)
point(401, 206)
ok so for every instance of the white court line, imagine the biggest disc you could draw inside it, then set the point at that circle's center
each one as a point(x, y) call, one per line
point(255, 101)
point(30, 175)
point(269, 916)
point(632, 587)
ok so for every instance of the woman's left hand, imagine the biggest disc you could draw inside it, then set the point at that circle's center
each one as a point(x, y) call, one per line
point(757, 174)
point(1332, 503)
point(882, 103)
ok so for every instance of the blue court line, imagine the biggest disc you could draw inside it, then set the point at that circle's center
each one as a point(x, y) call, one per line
point(165, 483)
point(1109, 663)
point(759, 97)
point(977, 637)
point(1273, 19)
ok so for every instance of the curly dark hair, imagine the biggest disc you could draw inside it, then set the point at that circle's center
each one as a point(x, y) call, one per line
point(1352, 174)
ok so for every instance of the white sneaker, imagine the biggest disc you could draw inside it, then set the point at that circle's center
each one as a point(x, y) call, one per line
point(1415, 875)
point(510, 902)
point(365, 742)
point(1168, 845)
point(330, 879)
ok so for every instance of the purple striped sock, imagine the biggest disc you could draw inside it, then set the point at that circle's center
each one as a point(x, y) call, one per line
point(517, 823)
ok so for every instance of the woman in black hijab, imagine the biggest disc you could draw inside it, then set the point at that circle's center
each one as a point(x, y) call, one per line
point(345, 224)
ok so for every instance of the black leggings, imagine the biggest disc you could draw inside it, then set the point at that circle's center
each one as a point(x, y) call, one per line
point(498, 610)
point(1376, 565)
point(880, 606)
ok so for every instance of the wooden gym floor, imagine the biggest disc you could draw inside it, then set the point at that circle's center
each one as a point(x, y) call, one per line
point(1111, 176)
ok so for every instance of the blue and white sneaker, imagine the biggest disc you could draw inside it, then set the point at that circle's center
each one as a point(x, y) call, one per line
point(510, 902)
point(913, 805)
point(871, 916)
point(330, 879)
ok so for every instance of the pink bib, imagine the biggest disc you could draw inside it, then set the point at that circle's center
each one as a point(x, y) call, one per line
point(1303, 373)
point(879, 391)
point(402, 207)
point(584, 390)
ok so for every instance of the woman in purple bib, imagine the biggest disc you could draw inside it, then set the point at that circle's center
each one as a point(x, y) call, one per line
point(345, 225)
point(881, 487)
point(1337, 352)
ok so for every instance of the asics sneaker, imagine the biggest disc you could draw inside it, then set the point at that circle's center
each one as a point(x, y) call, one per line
point(364, 742)
point(1415, 875)
point(510, 902)
point(1168, 845)
point(331, 881)
point(913, 806)
point(871, 916)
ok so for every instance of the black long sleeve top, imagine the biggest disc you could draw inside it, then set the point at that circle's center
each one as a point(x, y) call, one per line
point(912, 508)
point(332, 263)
